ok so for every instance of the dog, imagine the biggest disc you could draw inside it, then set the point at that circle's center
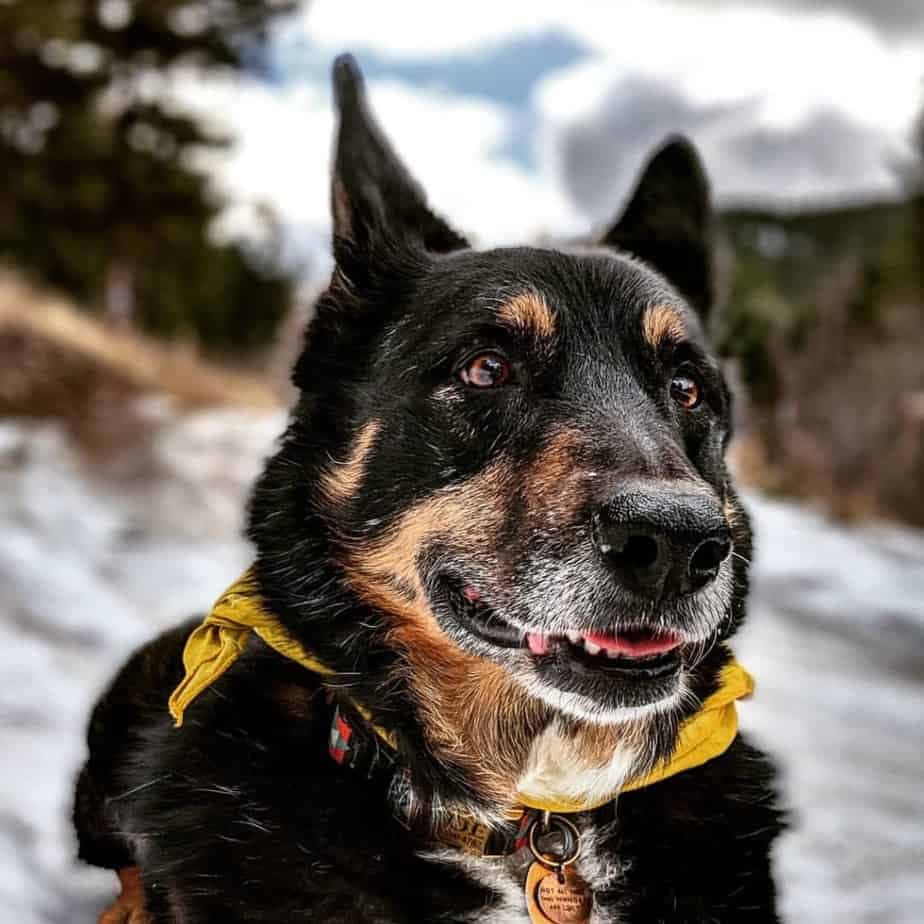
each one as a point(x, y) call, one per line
point(478, 670)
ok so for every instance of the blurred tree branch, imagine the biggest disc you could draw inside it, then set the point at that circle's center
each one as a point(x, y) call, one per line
point(101, 197)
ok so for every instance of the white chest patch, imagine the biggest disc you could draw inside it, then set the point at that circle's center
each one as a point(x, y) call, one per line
point(555, 767)
point(509, 906)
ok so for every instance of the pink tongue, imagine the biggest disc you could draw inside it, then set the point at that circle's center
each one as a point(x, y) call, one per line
point(634, 647)
point(538, 644)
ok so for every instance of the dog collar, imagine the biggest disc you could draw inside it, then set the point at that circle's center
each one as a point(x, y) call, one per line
point(219, 641)
point(355, 746)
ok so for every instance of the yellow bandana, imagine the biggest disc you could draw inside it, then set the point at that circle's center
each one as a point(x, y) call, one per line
point(219, 641)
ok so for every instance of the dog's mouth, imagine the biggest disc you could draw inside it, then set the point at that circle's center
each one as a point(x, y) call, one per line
point(638, 651)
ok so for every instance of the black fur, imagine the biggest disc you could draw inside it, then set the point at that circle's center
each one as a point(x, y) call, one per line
point(240, 815)
point(674, 194)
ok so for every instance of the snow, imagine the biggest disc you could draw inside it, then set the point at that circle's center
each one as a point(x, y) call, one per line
point(84, 564)
point(87, 553)
point(835, 639)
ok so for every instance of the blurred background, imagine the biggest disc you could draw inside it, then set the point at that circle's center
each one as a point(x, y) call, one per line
point(163, 228)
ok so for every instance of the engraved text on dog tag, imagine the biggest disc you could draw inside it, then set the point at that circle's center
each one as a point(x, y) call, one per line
point(554, 900)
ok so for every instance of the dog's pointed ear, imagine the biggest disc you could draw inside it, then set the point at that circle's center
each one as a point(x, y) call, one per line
point(669, 222)
point(377, 205)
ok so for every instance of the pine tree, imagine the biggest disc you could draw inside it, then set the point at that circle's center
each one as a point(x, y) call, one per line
point(99, 197)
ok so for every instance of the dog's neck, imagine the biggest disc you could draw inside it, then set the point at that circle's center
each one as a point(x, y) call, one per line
point(499, 740)
point(475, 737)
point(585, 764)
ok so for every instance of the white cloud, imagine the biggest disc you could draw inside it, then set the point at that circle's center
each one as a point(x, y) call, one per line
point(283, 149)
point(449, 143)
point(782, 75)
point(281, 153)
point(775, 69)
point(408, 28)
point(717, 52)
point(792, 62)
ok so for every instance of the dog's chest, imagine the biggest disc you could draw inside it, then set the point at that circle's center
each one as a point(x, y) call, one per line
point(506, 879)
point(555, 768)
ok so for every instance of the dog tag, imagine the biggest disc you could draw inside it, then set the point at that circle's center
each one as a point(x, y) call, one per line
point(554, 900)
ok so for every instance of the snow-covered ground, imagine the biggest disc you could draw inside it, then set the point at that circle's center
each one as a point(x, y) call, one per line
point(91, 564)
point(93, 561)
point(836, 641)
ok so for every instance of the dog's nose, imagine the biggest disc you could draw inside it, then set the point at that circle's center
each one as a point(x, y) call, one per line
point(661, 538)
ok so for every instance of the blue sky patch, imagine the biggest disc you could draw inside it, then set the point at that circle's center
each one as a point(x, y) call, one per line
point(506, 73)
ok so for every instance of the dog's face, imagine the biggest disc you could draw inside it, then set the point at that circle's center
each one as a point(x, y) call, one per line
point(522, 463)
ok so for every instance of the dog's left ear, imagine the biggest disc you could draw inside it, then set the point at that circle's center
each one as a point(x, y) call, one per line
point(377, 205)
point(669, 221)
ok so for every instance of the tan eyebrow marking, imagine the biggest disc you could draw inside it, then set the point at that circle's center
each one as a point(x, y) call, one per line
point(342, 479)
point(662, 322)
point(529, 311)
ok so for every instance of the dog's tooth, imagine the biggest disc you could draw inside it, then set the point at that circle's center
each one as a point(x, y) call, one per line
point(591, 648)
point(612, 653)
point(574, 637)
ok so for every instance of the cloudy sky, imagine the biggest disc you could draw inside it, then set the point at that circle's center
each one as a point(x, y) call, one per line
point(530, 117)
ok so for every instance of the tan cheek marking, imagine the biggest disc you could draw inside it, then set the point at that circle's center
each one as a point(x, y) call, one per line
point(470, 706)
point(556, 483)
point(475, 714)
point(529, 312)
point(553, 466)
point(341, 481)
point(661, 323)
point(465, 514)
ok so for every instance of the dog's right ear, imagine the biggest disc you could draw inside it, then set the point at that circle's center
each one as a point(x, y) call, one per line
point(669, 222)
point(377, 205)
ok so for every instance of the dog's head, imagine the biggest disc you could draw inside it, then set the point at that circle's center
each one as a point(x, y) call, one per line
point(513, 458)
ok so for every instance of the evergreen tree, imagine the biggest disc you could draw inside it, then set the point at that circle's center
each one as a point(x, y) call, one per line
point(99, 197)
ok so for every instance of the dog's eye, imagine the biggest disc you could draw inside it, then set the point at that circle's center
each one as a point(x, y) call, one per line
point(486, 370)
point(686, 389)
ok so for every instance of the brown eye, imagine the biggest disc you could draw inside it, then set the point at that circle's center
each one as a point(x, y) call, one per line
point(487, 370)
point(685, 391)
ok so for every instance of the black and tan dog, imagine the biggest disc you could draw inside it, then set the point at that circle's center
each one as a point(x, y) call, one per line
point(477, 671)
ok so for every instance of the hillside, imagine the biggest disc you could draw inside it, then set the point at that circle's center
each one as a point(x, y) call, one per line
point(824, 317)
point(104, 385)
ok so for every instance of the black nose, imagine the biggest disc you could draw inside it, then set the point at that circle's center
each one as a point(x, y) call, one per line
point(663, 538)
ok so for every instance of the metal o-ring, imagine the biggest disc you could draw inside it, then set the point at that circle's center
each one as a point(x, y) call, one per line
point(567, 827)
